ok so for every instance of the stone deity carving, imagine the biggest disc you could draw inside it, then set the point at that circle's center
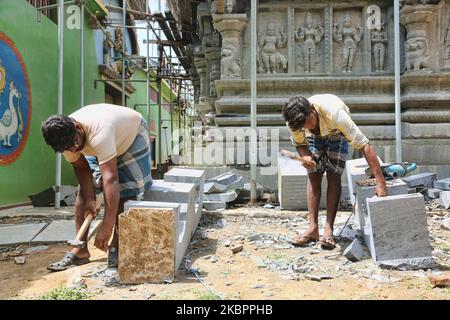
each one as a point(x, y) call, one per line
point(108, 44)
point(350, 36)
point(270, 56)
point(230, 64)
point(447, 47)
point(417, 58)
point(379, 38)
point(309, 37)
point(118, 54)
point(230, 6)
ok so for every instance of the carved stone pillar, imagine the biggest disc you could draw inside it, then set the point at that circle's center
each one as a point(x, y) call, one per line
point(230, 27)
point(416, 17)
point(200, 65)
point(213, 58)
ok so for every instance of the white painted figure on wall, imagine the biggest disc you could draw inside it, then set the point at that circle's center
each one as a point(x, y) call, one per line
point(350, 36)
point(309, 37)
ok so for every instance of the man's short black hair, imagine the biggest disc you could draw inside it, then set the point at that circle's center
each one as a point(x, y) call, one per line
point(59, 132)
point(295, 112)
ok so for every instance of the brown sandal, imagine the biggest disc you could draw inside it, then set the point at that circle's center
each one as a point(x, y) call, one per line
point(301, 240)
point(328, 242)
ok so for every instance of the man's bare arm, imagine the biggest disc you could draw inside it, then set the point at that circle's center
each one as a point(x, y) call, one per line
point(86, 195)
point(369, 153)
point(111, 193)
point(304, 152)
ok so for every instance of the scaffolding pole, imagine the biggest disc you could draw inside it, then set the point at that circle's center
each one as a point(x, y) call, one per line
point(124, 29)
point(60, 96)
point(82, 57)
point(254, 141)
point(398, 107)
point(159, 81)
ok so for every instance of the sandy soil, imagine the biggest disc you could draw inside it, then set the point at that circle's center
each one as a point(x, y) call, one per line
point(236, 276)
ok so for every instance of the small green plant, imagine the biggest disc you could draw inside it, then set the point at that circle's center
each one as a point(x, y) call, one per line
point(443, 247)
point(280, 257)
point(207, 296)
point(65, 293)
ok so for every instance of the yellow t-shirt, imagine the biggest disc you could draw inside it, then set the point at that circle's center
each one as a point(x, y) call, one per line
point(334, 118)
point(110, 131)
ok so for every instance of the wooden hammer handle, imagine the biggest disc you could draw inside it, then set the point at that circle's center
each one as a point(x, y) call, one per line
point(85, 226)
point(88, 220)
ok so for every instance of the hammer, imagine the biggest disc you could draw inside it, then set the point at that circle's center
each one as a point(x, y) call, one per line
point(294, 156)
point(77, 242)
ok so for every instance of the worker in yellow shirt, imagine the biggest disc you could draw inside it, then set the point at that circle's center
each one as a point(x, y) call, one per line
point(321, 128)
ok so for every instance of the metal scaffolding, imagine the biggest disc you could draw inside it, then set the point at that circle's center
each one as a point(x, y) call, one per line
point(172, 77)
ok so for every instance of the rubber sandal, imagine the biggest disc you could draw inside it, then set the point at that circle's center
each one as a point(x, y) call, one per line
point(69, 259)
point(301, 240)
point(328, 243)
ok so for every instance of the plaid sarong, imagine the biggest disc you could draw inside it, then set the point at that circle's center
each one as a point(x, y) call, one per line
point(134, 165)
point(330, 153)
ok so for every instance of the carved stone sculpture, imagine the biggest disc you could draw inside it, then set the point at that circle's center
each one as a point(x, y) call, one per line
point(108, 44)
point(230, 28)
point(417, 58)
point(309, 37)
point(350, 36)
point(416, 20)
point(447, 47)
point(379, 40)
point(230, 4)
point(118, 41)
point(230, 64)
point(415, 2)
point(271, 57)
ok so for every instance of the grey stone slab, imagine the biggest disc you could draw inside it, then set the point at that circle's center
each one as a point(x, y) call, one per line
point(214, 187)
point(432, 193)
point(398, 227)
point(238, 184)
point(345, 193)
point(355, 170)
point(162, 191)
point(214, 205)
point(221, 197)
point(394, 187)
point(22, 233)
point(225, 178)
point(347, 232)
point(62, 230)
point(422, 179)
point(443, 184)
point(188, 175)
point(409, 264)
point(355, 251)
point(292, 182)
point(244, 193)
point(444, 199)
point(177, 192)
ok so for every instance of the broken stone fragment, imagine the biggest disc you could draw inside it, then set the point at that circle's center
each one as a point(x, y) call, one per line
point(237, 249)
point(227, 243)
point(440, 281)
point(355, 251)
point(20, 260)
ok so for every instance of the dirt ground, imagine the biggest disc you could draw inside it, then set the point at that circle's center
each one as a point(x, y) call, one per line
point(267, 267)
